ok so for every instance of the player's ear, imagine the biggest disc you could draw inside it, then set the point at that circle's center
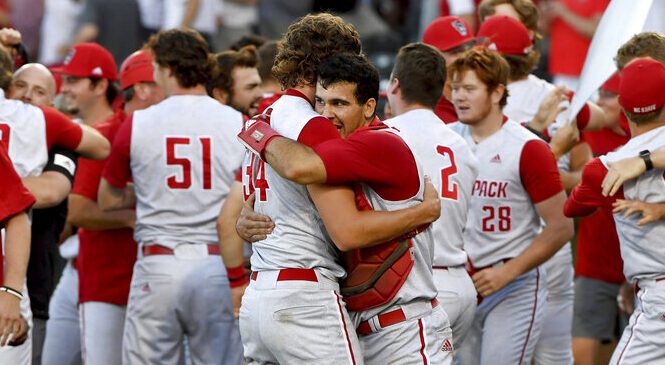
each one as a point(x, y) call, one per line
point(393, 86)
point(369, 109)
point(497, 94)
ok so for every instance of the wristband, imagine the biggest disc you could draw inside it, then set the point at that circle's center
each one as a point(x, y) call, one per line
point(237, 276)
point(646, 157)
point(11, 291)
point(256, 136)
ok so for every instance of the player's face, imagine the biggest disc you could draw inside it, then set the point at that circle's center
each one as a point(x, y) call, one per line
point(609, 102)
point(32, 86)
point(79, 92)
point(338, 103)
point(471, 98)
point(246, 90)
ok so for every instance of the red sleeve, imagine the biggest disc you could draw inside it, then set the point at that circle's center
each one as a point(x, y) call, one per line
point(60, 131)
point(377, 158)
point(587, 197)
point(117, 171)
point(538, 171)
point(317, 130)
point(239, 175)
point(14, 196)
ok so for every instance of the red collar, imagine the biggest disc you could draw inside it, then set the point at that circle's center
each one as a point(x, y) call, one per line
point(294, 92)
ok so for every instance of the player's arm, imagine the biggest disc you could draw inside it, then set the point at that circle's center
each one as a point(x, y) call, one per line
point(587, 197)
point(112, 198)
point(84, 140)
point(191, 10)
point(351, 228)
point(114, 191)
point(630, 168)
point(579, 156)
point(93, 145)
point(86, 213)
point(54, 184)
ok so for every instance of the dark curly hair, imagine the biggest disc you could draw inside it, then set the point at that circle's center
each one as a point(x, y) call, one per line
point(309, 41)
point(185, 52)
point(225, 63)
point(645, 44)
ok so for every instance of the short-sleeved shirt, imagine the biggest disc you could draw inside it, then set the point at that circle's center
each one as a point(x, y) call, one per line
point(14, 197)
point(385, 167)
point(568, 48)
point(598, 253)
point(182, 155)
point(517, 170)
point(106, 257)
point(299, 239)
point(641, 246)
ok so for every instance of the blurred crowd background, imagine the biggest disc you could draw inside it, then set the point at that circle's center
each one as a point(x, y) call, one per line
point(50, 27)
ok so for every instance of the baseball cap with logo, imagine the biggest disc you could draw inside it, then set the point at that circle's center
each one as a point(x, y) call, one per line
point(448, 32)
point(506, 35)
point(89, 60)
point(136, 68)
point(642, 86)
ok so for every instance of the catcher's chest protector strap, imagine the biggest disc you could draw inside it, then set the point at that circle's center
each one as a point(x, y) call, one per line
point(375, 274)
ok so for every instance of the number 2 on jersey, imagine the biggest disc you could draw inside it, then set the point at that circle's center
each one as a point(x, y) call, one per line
point(448, 187)
point(186, 164)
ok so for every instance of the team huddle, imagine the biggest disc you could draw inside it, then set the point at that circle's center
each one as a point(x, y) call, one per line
point(439, 235)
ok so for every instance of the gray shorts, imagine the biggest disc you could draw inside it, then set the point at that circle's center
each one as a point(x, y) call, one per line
point(596, 313)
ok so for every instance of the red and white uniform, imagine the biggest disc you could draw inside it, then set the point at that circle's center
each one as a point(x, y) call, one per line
point(386, 168)
point(29, 132)
point(296, 268)
point(641, 246)
point(182, 156)
point(448, 160)
point(104, 264)
point(517, 171)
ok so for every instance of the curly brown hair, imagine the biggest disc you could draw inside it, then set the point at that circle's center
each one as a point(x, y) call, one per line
point(645, 44)
point(226, 62)
point(185, 52)
point(490, 68)
point(527, 10)
point(522, 65)
point(309, 41)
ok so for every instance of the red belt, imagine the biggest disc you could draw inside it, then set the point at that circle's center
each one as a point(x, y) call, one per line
point(161, 250)
point(387, 319)
point(292, 274)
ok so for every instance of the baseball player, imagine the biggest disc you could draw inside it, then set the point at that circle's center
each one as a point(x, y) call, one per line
point(641, 97)
point(447, 158)
point(518, 185)
point(406, 326)
point(236, 81)
point(452, 36)
point(106, 248)
point(34, 84)
point(16, 201)
point(181, 155)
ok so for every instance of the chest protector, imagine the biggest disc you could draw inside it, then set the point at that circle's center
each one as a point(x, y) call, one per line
point(375, 274)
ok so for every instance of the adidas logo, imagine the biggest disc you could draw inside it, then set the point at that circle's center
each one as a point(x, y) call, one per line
point(447, 346)
point(145, 288)
point(496, 159)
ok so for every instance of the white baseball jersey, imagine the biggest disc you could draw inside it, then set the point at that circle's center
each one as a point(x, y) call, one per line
point(525, 97)
point(183, 158)
point(502, 219)
point(23, 129)
point(447, 159)
point(642, 247)
point(299, 239)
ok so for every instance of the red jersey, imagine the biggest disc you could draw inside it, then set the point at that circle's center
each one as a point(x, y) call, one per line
point(568, 48)
point(106, 257)
point(14, 197)
point(598, 254)
point(445, 110)
point(267, 101)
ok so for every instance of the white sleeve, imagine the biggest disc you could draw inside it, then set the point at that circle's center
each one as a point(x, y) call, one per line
point(461, 7)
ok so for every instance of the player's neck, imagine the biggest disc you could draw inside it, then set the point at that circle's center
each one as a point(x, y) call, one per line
point(638, 129)
point(401, 108)
point(179, 90)
point(98, 112)
point(307, 90)
point(487, 126)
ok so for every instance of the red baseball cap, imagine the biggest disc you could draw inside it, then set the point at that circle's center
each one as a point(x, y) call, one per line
point(89, 60)
point(136, 68)
point(642, 86)
point(612, 84)
point(506, 35)
point(448, 32)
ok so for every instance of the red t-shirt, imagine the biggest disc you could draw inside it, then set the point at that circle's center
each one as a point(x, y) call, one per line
point(445, 110)
point(568, 48)
point(598, 252)
point(106, 257)
point(373, 156)
point(266, 102)
point(14, 197)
